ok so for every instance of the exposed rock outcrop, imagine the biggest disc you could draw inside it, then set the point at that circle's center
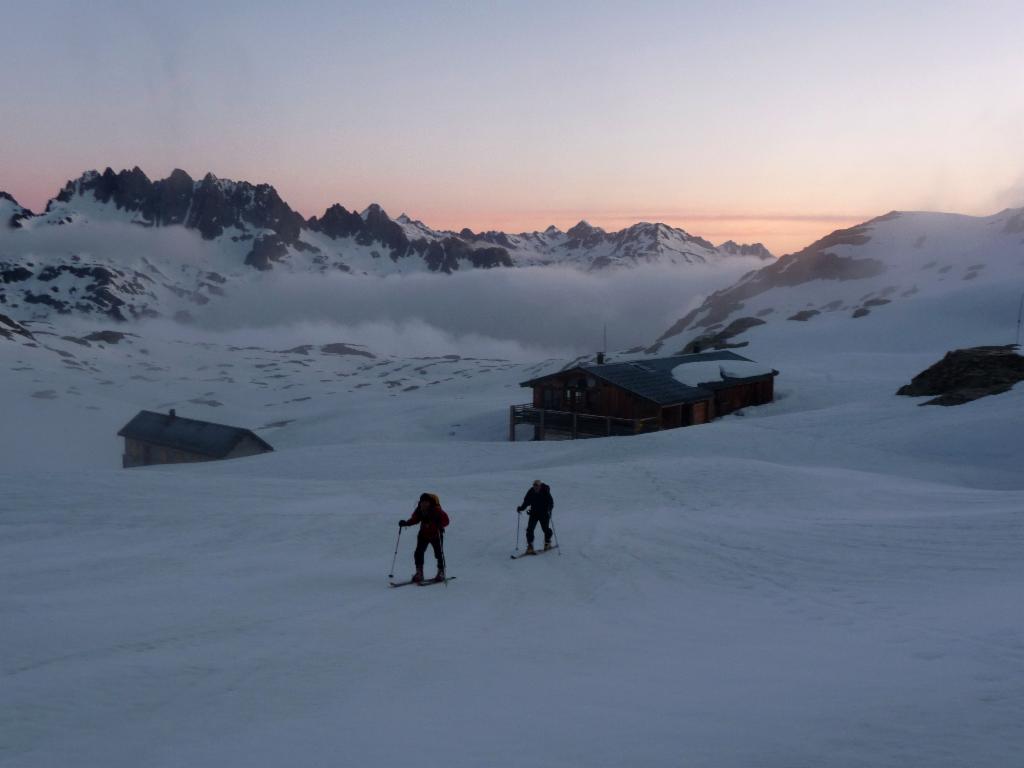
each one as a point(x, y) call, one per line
point(722, 339)
point(97, 289)
point(445, 255)
point(12, 211)
point(964, 375)
point(10, 328)
point(339, 348)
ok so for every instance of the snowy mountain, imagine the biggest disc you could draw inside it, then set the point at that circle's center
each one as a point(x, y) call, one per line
point(11, 214)
point(935, 260)
point(255, 214)
point(592, 248)
point(121, 245)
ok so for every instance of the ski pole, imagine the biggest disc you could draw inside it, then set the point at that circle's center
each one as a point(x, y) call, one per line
point(551, 516)
point(395, 558)
point(519, 517)
point(444, 560)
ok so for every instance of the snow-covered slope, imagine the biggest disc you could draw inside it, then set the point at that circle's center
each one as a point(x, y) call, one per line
point(829, 580)
point(937, 261)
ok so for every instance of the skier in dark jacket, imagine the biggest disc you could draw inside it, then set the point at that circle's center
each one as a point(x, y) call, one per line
point(432, 520)
point(539, 500)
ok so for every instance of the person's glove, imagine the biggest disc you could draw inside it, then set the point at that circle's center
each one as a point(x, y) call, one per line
point(402, 523)
point(519, 510)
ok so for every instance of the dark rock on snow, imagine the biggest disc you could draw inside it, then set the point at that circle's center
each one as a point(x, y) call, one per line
point(964, 375)
point(344, 349)
point(721, 339)
point(10, 328)
point(804, 315)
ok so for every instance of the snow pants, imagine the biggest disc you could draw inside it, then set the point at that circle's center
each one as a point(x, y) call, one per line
point(422, 542)
point(544, 518)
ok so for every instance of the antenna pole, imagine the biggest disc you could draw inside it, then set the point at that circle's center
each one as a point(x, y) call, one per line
point(1020, 315)
point(604, 345)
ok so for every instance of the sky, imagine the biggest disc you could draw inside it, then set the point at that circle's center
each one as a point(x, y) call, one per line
point(775, 122)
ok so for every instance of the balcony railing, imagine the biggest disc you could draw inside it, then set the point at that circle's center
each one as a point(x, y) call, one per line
point(575, 425)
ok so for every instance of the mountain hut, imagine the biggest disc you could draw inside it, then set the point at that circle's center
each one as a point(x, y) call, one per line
point(166, 438)
point(646, 395)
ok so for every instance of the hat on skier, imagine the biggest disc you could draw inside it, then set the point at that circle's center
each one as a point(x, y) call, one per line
point(431, 497)
point(537, 483)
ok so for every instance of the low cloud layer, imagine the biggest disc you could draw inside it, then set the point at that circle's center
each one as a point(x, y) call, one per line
point(515, 313)
point(111, 241)
point(526, 313)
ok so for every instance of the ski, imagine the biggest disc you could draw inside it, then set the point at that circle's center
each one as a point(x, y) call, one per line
point(423, 583)
point(428, 582)
point(524, 553)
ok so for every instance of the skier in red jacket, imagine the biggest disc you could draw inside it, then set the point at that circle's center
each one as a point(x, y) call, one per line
point(433, 520)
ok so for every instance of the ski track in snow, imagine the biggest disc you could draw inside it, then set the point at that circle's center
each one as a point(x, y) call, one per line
point(830, 580)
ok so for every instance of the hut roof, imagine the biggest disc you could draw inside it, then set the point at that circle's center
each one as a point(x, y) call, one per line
point(654, 378)
point(192, 435)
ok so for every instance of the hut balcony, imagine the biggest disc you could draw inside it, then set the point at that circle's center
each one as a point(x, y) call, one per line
point(551, 424)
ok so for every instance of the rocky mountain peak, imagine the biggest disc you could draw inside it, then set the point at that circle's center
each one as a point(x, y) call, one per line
point(179, 177)
point(733, 248)
point(373, 225)
point(337, 222)
point(583, 230)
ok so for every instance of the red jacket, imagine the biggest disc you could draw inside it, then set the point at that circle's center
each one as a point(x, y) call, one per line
point(431, 523)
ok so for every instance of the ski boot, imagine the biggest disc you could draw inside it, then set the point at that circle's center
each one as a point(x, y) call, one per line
point(530, 550)
point(547, 545)
point(417, 577)
point(440, 576)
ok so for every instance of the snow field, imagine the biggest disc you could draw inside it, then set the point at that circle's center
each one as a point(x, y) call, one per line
point(707, 609)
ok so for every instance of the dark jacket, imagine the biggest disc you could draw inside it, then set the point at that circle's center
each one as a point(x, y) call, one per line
point(540, 502)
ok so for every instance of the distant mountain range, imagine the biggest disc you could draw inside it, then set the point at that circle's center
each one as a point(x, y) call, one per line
point(370, 242)
point(88, 252)
point(96, 250)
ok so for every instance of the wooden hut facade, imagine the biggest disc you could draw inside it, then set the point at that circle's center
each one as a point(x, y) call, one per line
point(166, 438)
point(642, 395)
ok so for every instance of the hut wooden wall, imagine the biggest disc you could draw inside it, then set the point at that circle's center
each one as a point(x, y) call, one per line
point(140, 454)
point(558, 393)
point(729, 399)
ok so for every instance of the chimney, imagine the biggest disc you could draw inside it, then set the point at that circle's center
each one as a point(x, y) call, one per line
point(600, 358)
point(172, 414)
